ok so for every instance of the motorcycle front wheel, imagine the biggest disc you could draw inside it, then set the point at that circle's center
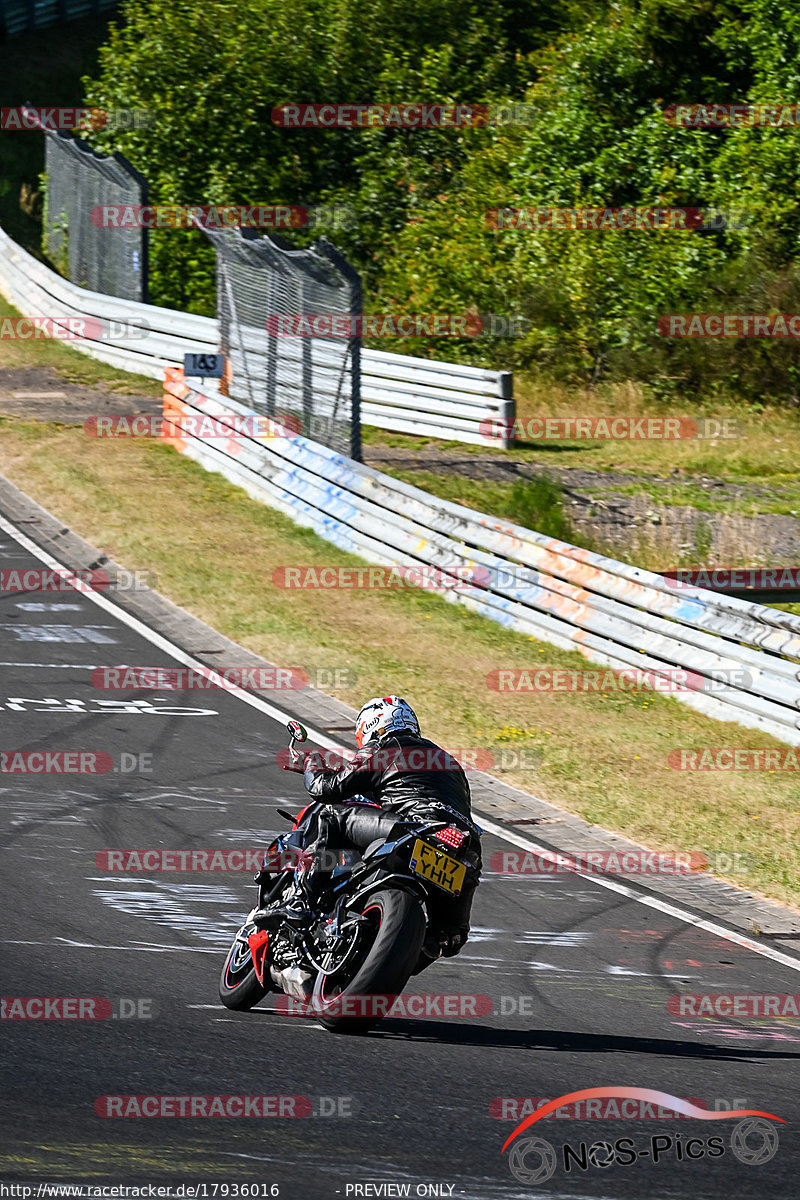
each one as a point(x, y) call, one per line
point(239, 988)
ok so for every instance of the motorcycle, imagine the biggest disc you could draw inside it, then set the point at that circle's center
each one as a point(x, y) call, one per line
point(367, 932)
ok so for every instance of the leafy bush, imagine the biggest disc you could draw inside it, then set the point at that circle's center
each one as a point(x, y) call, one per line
point(598, 76)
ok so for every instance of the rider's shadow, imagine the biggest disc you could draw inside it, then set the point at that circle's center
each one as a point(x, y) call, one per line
point(446, 1032)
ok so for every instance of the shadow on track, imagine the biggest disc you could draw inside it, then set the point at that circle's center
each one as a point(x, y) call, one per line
point(561, 1039)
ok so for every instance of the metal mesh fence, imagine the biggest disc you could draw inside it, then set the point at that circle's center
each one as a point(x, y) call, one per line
point(113, 261)
point(264, 290)
point(21, 16)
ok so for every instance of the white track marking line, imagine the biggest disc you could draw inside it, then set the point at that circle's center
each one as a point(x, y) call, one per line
point(155, 948)
point(328, 743)
point(157, 639)
point(56, 666)
point(663, 906)
point(37, 606)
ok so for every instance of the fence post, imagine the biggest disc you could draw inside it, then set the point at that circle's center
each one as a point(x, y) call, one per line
point(354, 348)
point(508, 406)
point(144, 248)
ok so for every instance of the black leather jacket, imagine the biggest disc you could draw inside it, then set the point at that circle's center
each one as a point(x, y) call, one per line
point(401, 772)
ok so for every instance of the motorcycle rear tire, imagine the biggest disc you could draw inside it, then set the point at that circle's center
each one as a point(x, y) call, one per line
point(387, 967)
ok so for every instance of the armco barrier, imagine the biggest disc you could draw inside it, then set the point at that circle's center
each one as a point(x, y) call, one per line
point(439, 399)
point(162, 335)
point(398, 392)
point(610, 612)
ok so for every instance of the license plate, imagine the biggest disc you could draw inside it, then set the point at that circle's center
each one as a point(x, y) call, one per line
point(437, 867)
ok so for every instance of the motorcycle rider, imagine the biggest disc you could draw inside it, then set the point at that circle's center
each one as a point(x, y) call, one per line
point(397, 778)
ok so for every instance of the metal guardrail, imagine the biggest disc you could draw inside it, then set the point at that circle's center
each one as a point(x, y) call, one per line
point(136, 337)
point(437, 399)
point(612, 613)
point(399, 392)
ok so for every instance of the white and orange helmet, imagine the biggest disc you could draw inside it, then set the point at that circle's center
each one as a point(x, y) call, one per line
point(384, 714)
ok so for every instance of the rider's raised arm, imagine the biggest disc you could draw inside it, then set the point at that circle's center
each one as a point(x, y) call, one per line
point(356, 777)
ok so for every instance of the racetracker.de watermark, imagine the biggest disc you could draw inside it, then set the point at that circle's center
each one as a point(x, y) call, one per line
point(231, 1106)
point(221, 216)
point(720, 116)
point(200, 426)
point(403, 758)
point(616, 220)
point(398, 577)
point(74, 762)
point(731, 1004)
point(421, 758)
point(216, 861)
point(273, 861)
point(39, 580)
point(621, 429)
point(620, 679)
point(396, 325)
point(734, 758)
point(76, 1008)
point(187, 679)
point(420, 1006)
point(54, 119)
point(183, 679)
point(603, 220)
point(77, 329)
point(608, 1108)
point(612, 862)
point(729, 325)
point(199, 216)
point(401, 115)
point(733, 579)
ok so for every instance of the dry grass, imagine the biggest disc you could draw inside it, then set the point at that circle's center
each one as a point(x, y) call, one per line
point(603, 756)
point(69, 363)
point(769, 444)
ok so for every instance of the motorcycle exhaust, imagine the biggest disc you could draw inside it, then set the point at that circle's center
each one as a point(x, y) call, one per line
point(294, 981)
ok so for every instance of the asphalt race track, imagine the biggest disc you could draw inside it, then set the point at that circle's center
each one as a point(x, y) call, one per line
point(579, 979)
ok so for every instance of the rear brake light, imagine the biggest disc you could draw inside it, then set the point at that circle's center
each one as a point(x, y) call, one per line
point(451, 836)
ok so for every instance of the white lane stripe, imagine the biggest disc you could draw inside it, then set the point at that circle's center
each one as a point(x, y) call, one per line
point(41, 606)
point(153, 948)
point(651, 901)
point(55, 666)
point(328, 743)
point(157, 639)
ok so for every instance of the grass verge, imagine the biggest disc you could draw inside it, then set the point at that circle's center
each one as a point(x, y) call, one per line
point(70, 364)
point(602, 755)
point(766, 448)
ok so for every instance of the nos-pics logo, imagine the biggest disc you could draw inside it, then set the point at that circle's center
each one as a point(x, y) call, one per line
point(533, 1160)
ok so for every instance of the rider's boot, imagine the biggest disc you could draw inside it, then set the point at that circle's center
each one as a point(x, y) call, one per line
point(296, 906)
point(301, 899)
